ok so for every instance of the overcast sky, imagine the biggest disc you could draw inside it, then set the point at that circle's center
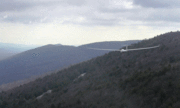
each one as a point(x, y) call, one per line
point(76, 22)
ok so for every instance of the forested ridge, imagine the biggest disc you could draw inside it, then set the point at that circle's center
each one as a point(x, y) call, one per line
point(136, 79)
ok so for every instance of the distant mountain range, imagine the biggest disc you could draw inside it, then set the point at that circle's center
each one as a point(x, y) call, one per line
point(8, 49)
point(50, 58)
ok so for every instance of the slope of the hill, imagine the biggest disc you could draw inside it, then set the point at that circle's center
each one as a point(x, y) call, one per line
point(6, 53)
point(137, 79)
point(8, 49)
point(47, 58)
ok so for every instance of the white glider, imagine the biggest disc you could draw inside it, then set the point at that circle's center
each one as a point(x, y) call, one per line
point(125, 50)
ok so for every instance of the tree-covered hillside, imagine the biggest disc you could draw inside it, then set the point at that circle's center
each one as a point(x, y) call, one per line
point(136, 79)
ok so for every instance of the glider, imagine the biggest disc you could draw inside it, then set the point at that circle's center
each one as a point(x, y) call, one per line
point(126, 50)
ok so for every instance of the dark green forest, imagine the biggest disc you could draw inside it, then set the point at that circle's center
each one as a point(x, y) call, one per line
point(136, 79)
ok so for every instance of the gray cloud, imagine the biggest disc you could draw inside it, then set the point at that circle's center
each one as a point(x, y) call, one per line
point(20, 5)
point(151, 3)
point(157, 3)
point(156, 15)
point(90, 12)
point(14, 5)
point(76, 2)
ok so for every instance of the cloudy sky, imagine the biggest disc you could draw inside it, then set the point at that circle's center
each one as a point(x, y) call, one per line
point(76, 22)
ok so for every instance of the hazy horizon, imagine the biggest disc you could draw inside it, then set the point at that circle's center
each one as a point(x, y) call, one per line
point(18, 44)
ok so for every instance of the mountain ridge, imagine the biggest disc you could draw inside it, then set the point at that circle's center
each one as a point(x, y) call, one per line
point(44, 59)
